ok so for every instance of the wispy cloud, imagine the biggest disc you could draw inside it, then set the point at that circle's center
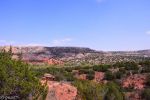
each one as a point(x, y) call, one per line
point(61, 42)
point(56, 42)
point(34, 44)
point(5, 42)
point(148, 32)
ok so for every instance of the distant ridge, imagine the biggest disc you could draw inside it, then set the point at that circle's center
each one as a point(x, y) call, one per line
point(75, 54)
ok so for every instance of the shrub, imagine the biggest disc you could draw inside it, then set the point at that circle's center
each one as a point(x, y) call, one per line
point(86, 71)
point(131, 66)
point(118, 75)
point(146, 94)
point(148, 80)
point(127, 65)
point(101, 68)
point(90, 76)
point(113, 92)
point(17, 79)
point(89, 90)
point(109, 75)
point(119, 64)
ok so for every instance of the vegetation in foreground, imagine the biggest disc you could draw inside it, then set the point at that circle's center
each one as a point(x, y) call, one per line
point(22, 80)
point(114, 75)
point(18, 81)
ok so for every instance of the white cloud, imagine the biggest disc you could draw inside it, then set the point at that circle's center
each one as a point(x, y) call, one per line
point(61, 42)
point(56, 42)
point(148, 32)
point(5, 42)
point(33, 44)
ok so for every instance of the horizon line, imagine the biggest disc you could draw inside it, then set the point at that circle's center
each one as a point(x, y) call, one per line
point(74, 47)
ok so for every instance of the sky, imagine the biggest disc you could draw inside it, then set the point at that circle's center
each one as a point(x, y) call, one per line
point(107, 25)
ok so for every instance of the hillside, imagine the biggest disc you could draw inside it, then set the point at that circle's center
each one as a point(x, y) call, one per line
point(77, 55)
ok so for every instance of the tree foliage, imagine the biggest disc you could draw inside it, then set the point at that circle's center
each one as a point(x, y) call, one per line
point(101, 68)
point(109, 75)
point(145, 66)
point(92, 91)
point(17, 79)
point(89, 90)
point(114, 92)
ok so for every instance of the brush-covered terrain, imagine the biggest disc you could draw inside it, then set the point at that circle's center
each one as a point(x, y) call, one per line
point(68, 73)
point(74, 55)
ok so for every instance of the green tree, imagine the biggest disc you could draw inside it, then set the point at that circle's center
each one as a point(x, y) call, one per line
point(118, 74)
point(89, 90)
point(101, 68)
point(109, 75)
point(145, 66)
point(114, 92)
point(17, 79)
point(131, 66)
point(90, 76)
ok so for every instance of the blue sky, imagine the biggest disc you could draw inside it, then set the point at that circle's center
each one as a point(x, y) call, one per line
point(98, 24)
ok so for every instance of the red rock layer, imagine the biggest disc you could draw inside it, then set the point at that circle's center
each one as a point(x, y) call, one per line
point(136, 81)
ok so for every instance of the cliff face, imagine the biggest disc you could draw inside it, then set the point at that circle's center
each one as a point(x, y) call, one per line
point(49, 55)
point(61, 91)
point(58, 90)
point(136, 81)
point(76, 55)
